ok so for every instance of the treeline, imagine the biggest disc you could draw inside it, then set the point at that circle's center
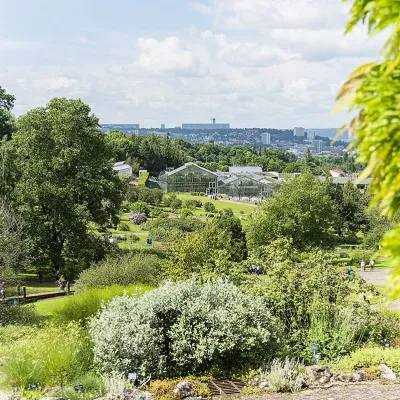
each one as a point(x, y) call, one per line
point(155, 153)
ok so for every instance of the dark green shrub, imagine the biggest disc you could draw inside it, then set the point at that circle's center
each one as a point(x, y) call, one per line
point(123, 226)
point(209, 207)
point(17, 314)
point(123, 269)
point(133, 238)
point(185, 212)
point(140, 207)
point(151, 196)
point(168, 229)
point(183, 329)
point(176, 204)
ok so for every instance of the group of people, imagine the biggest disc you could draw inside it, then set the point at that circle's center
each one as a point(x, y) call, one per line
point(371, 265)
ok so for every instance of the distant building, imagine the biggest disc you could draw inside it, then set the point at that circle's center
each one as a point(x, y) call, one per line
point(162, 126)
point(337, 173)
point(212, 125)
point(122, 169)
point(245, 170)
point(318, 146)
point(299, 132)
point(311, 135)
point(266, 138)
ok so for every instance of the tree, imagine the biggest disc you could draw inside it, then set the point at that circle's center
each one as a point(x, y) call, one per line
point(373, 91)
point(301, 211)
point(6, 118)
point(14, 245)
point(351, 207)
point(65, 181)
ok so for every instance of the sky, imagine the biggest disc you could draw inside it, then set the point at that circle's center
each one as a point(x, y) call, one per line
point(252, 63)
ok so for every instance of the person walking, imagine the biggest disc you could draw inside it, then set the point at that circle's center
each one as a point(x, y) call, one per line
point(362, 265)
point(371, 265)
point(2, 288)
point(62, 283)
point(41, 275)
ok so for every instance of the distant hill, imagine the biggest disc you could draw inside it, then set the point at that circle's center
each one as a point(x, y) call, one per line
point(329, 132)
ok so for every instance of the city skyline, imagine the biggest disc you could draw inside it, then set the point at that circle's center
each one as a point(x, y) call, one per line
point(251, 63)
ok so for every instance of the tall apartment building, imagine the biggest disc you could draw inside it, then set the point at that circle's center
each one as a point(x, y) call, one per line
point(299, 132)
point(266, 138)
point(311, 135)
point(212, 125)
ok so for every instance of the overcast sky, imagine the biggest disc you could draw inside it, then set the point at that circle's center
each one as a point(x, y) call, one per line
point(253, 63)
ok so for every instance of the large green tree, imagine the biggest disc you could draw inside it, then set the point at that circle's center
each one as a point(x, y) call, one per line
point(65, 181)
point(6, 118)
point(301, 211)
point(373, 92)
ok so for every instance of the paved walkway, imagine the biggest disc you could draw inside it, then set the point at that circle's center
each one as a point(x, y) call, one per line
point(377, 277)
point(367, 391)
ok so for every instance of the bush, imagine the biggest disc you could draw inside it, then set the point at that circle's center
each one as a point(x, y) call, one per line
point(150, 196)
point(85, 304)
point(169, 229)
point(138, 218)
point(183, 329)
point(17, 315)
point(140, 207)
point(157, 212)
point(123, 269)
point(192, 204)
point(165, 388)
point(123, 226)
point(209, 207)
point(369, 357)
point(133, 238)
point(143, 180)
point(357, 255)
point(284, 376)
point(185, 212)
point(51, 356)
point(176, 204)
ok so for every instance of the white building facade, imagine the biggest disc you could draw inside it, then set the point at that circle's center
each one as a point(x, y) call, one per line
point(266, 138)
point(299, 131)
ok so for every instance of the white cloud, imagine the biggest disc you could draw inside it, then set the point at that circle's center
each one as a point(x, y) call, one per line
point(11, 44)
point(168, 56)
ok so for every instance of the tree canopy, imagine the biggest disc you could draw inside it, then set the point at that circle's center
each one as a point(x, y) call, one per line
point(6, 118)
point(64, 180)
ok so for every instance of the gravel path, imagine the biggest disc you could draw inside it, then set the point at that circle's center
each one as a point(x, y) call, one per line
point(367, 391)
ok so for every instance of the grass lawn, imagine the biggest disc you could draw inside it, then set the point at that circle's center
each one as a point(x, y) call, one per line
point(220, 204)
point(46, 308)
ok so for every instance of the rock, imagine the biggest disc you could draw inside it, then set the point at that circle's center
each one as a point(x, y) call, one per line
point(5, 396)
point(324, 380)
point(387, 373)
point(317, 375)
point(264, 385)
point(344, 378)
point(136, 394)
point(184, 389)
point(360, 376)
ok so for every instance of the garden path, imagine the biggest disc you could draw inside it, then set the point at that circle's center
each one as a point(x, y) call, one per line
point(367, 391)
point(378, 277)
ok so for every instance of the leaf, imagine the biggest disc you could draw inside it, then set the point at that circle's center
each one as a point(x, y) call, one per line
point(362, 69)
point(339, 133)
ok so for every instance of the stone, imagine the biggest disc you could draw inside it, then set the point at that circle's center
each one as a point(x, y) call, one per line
point(344, 378)
point(184, 389)
point(136, 394)
point(264, 385)
point(5, 396)
point(360, 376)
point(317, 375)
point(387, 373)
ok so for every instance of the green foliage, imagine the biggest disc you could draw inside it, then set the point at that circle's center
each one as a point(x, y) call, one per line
point(85, 304)
point(150, 196)
point(284, 376)
point(301, 211)
point(123, 226)
point(360, 254)
point(121, 269)
point(17, 315)
point(369, 357)
point(184, 328)
point(192, 204)
point(140, 207)
point(170, 229)
point(51, 356)
point(132, 238)
point(209, 207)
point(163, 388)
point(143, 180)
point(62, 183)
point(6, 119)
point(293, 283)
point(207, 253)
point(185, 212)
point(372, 90)
point(175, 204)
